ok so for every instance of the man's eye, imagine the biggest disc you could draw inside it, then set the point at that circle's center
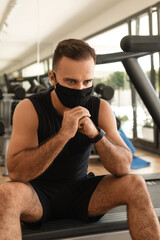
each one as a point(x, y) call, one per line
point(88, 81)
point(71, 81)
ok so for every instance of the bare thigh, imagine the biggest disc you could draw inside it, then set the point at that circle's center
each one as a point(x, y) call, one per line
point(33, 210)
point(114, 191)
point(23, 199)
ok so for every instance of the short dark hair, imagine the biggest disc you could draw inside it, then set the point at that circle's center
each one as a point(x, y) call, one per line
point(72, 48)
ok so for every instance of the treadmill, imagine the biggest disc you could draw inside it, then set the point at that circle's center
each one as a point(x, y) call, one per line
point(113, 225)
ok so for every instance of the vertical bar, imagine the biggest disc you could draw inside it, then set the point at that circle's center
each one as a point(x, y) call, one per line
point(129, 28)
point(134, 107)
point(158, 20)
point(133, 95)
point(137, 25)
point(152, 72)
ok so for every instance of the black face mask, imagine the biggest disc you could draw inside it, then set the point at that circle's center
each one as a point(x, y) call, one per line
point(72, 97)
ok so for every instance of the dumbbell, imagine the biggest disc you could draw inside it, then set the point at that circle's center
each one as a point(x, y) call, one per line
point(99, 87)
point(106, 92)
point(37, 89)
point(18, 90)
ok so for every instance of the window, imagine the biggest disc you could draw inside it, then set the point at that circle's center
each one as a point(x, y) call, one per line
point(126, 103)
point(33, 70)
point(143, 24)
point(109, 41)
point(114, 75)
point(136, 121)
point(145, 126)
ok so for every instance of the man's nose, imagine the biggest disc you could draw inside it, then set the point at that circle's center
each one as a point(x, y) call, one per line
point(80, 86)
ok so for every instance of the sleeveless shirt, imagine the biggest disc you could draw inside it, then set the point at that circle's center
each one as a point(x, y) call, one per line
point(71, 164)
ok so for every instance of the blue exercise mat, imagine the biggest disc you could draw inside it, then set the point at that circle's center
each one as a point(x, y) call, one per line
point(137, 162)
point(126, 140)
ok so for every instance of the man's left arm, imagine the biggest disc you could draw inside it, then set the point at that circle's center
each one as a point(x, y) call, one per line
point(114, 153)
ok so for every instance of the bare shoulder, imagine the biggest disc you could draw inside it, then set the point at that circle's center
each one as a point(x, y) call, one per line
point(104, 105)
point(25, 124)
point(25, 116)
point(106, 117)
point(107, 122)
point(25, 113)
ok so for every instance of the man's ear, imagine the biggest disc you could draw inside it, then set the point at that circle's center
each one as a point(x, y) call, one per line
point(52, 78)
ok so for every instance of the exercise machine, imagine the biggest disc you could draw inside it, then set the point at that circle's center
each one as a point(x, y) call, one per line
point(15, 88)
point(36, 87)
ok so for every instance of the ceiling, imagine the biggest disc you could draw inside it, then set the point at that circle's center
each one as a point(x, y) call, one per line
point(29, 26)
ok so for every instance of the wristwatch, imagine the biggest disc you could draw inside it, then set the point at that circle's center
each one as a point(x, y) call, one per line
point(99, 136)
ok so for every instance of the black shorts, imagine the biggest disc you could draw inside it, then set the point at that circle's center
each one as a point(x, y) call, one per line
point(66, 201)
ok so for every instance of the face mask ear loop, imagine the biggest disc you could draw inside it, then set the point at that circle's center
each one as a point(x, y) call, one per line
point(55, 77)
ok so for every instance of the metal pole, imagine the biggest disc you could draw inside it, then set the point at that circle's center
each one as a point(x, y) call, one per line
point(144, 88)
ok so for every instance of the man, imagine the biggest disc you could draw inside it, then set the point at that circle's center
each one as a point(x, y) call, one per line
point(48, 154)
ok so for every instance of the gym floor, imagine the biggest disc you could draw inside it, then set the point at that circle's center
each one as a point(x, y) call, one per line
point(96, 166)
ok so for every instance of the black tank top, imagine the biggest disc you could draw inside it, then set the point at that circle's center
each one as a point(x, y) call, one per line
point(72, 162)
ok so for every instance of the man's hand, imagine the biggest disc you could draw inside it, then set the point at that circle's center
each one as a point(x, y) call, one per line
point(71, 120)
point(87, 127)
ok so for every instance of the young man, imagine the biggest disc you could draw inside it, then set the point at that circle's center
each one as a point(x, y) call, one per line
point(48, 155)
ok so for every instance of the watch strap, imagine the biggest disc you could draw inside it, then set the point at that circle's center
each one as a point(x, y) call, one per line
point(98, 137)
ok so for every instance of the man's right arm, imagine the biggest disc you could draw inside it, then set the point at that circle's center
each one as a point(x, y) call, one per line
point(26, 159)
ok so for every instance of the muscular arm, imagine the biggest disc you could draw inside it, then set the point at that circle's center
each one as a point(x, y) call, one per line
point(114, 154)
point(30, 163)
point(26, 159)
